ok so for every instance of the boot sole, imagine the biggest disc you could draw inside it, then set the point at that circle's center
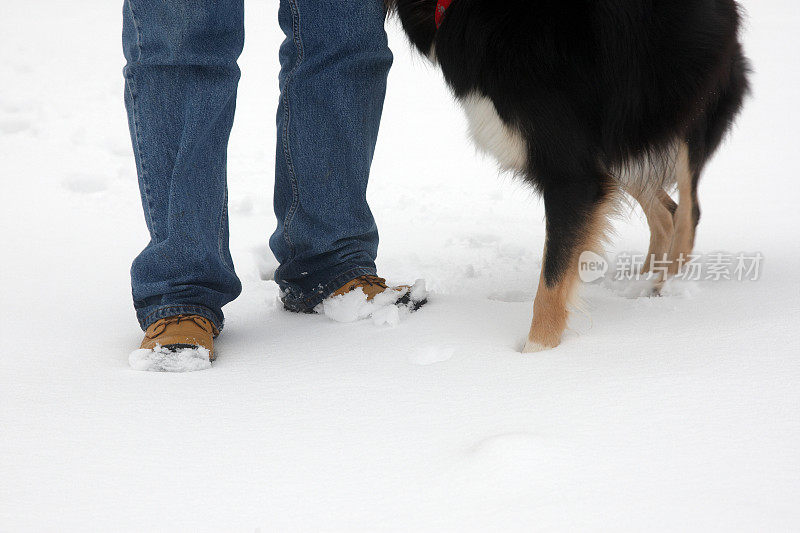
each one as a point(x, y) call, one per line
point(404, 300)
point(176, 347)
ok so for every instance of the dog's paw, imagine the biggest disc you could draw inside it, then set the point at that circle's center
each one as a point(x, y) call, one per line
point(535, 347)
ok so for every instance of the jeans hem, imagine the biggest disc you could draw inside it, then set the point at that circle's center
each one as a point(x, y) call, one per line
point(294, 299)
point(169, 310)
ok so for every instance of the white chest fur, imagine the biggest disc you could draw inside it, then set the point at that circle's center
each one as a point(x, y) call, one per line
point(493, 136)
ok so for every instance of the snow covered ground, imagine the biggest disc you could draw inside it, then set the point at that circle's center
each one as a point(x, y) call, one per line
point(675, 413)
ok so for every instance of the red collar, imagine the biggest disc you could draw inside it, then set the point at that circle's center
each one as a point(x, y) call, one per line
point(441, 7)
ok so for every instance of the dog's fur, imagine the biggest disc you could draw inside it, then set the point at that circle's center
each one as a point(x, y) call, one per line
point(588, 98)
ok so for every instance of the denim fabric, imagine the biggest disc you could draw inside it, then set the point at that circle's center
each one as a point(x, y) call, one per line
point(180, 94)
point(334, 65)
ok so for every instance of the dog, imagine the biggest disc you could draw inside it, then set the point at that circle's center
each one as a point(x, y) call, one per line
point(590, 100)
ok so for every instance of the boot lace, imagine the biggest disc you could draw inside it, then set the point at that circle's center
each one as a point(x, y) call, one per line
point(199, 321)
point(371, 280)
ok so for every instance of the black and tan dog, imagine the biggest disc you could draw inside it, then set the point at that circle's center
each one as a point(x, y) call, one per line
point(586, 99)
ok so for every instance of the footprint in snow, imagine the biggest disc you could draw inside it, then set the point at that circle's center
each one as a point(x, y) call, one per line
point(118, 147)
point(242, 206)
point(83, 184)
point(510, 458)
point(430, 355)
point(506, 444)
point(515, 453)
point(481, 240)
point(644, 288)
point(9, 127)
point(512, 296)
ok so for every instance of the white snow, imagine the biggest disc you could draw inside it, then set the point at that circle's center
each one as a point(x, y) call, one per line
point(677, 413)
point(161, 359)
point(382, 309)
point(430, 355)
point(419, 291)
point(354, 306)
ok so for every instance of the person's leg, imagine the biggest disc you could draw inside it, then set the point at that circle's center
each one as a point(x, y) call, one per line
point(334, 65)
point(180, 93)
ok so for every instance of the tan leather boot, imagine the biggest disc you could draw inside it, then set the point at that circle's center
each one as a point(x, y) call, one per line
point(374, 285)
point(371, 285)
point(181, 331)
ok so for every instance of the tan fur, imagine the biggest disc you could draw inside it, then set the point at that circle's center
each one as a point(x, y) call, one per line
point(550, 308)
point(683, 239)
point(550, 314)
point(662, 228)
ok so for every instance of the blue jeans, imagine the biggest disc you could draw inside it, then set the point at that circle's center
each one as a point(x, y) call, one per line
point(180, 93)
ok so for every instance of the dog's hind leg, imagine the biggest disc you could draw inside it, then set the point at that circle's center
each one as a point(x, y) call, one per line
point(702, 141)
point(659, 209)
point(687, 215)
point(577, 213)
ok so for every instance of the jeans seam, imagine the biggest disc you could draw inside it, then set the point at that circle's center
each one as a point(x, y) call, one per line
point(223, 220)
point(136, 26)
point(132, 90)
point(287, 153)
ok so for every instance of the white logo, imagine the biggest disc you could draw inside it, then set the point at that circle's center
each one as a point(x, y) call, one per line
point(591, 267)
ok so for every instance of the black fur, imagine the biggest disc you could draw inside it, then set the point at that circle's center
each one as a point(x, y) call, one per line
point(592, 86)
